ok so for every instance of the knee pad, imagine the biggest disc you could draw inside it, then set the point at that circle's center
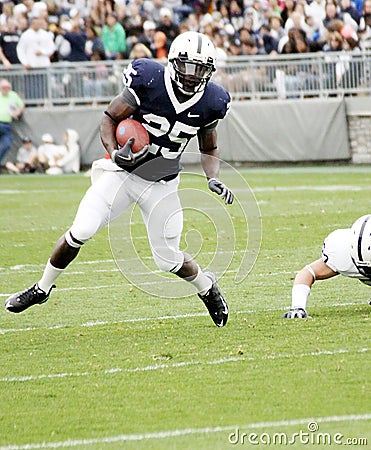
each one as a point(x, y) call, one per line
point(72, 241)
point(167, 259)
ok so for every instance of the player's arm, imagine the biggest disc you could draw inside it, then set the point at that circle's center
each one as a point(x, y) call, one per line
point(207, 141)
point(304, 279)
point(120, 108)
point(116, 111)
point(317, 270)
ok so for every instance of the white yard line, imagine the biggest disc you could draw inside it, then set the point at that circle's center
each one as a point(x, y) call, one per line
point(330, 187)
point(30, 268)
point(189, 431)
point(148, 319)
point(171, 366)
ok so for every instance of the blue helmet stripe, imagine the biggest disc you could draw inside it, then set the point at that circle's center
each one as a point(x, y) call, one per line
point(360, 257)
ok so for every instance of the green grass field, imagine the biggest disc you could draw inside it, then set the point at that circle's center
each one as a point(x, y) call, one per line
point(105, 365)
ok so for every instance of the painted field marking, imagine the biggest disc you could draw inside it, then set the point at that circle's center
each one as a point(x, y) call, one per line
point(187, 431)
point(164, 366)
point(149, 319)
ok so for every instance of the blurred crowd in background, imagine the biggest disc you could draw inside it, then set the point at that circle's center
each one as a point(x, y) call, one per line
point(90, 30)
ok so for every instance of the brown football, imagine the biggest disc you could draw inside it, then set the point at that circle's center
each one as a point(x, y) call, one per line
point(128, 128)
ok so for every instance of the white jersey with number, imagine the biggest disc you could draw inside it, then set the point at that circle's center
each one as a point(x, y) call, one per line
point(336, 254)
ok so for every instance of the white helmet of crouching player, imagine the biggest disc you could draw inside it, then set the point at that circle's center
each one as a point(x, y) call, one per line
point(360, 247)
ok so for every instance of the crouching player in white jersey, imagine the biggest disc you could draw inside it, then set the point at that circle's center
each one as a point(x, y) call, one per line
point(346, 252)
point(174, 104)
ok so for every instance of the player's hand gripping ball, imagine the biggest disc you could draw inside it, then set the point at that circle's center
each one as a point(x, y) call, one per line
point(129, 128)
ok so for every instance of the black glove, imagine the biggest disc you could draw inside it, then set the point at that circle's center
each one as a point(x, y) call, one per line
point(125, 157)
point(221, 189)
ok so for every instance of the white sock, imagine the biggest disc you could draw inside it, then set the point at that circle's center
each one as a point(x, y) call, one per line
point(299, 296)
point(50, 274)
point(201, 282)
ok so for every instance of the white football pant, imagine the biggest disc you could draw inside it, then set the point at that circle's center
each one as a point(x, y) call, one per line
point(113, 191)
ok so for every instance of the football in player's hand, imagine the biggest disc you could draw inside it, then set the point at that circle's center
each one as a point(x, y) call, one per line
point(128, 128)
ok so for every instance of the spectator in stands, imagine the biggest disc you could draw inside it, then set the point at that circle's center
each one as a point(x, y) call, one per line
point(276, 7)
point(234, 47)
point(113, 37)
point(94, 42)
point(334, 42)
point(235, 14)
point(20, 15)
point(7, 11)
point(334, 67)
point(296, 20)
point(62, 46)
point(246, 32)
point(68, 158)
point(9, 39)
point(98, 12)
point(316, 9)
point(160, 45)
point(249, 47)
point(167, 25)
point(49, 151)
point(11, 108)
point(29, 5)
point(331, 14)
point(133, 25)
point(277, 31)
point(147, 36)
point(346, 7)
point(365, 26)
point(221, 54)
point(34, 49)
point(40, 9)
point(140, 50)
point(181, 10)
point(301, 42)
point(152, 9)
point(26, 160)
point(192, 21)
point(77, 39)
point(256, 14)
point(268, 44)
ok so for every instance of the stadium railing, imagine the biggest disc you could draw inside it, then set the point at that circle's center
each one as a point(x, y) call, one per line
point(309, 75)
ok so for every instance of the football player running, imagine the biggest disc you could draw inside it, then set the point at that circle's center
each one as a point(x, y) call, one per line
point(174, 104)
point(345, 251)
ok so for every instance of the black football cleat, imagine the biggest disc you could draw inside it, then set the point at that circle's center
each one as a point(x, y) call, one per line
point(20, 301)
point(296, 313)
point(215, 303)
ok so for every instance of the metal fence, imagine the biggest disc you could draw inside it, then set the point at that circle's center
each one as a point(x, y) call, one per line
point(260, 77)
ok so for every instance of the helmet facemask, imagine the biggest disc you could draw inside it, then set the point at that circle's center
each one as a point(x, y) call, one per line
point(191, 77)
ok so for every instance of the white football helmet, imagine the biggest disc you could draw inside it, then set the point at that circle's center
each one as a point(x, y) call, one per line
point(192, 59)
point(360, 246)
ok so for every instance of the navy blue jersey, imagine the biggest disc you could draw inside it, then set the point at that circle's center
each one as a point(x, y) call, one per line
point(170, 124)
